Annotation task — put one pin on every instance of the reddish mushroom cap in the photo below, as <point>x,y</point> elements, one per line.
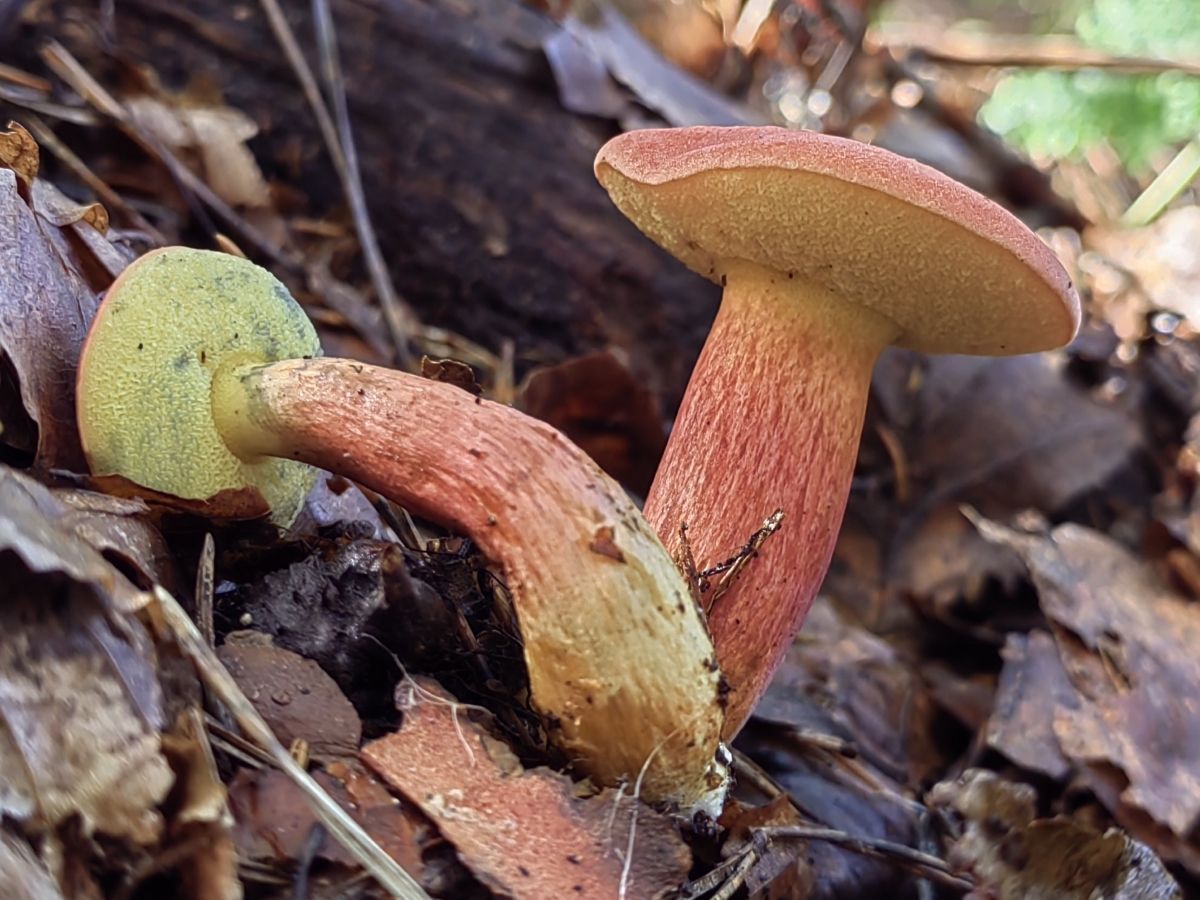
<point>956,272</point>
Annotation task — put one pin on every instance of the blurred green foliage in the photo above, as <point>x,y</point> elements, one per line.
<point>1062,114</point>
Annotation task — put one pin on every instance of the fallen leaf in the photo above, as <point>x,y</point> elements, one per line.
<point>1033,686</point>
<point>598,402</point>
<point>841,680</point>
<point>1005,433</point>
<point>275,822</point>
<point>784,868</point>
<point>19,152</point>
<point>679,97</point>
<point>1128,645</point>
<point>120,528</point>
<point>80,705</point>
<point>523,833</point>
<point>215,135</point>
<point>582,78</point>
<point>46,306</point>
<point>296,698</point>
<point>1017,857</point>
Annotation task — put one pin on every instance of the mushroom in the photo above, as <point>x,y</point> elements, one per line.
<point>201,378</point>
<point>828,251</point>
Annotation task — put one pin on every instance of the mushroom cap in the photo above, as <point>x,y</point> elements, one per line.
<point>144,395</point>
<point>954,271</point>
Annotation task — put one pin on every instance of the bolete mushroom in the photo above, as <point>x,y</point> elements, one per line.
<point>828,251</point>
<point>201,378</point>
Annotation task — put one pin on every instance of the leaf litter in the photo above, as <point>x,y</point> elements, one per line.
<point>1054,657</point>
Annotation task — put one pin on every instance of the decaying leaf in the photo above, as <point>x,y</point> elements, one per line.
<point>297,699</point>
<point>841,680</point>
<point>1033,687</point>
<point>275,822</point>
<point>784,868</point>
<point>80,705</point>
<point>1128,644</point>
<point>523,833</point>
<point>121,528</point>
<point>598,402</point>
<point>1006,433</point>
<point>1017,857</point>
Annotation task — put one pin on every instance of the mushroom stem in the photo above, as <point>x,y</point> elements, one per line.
<point>613,641</point>
<point>787,352</point>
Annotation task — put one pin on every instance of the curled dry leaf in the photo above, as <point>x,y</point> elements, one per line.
<point>120,528</point>
<point>784,867</point>
<point>80,705</point>
<point>1128,644</point>
<point>296,697</point>
<point>524,834</point>
<point>215,135</point>
<point>1017,857</point>
<point>48,288</point>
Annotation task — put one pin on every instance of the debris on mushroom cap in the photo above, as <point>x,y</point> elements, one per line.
<point>158,338</point>
<point>956,272</point>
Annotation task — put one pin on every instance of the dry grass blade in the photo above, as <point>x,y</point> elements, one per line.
<point>401,321</point>
<point>340,825</point>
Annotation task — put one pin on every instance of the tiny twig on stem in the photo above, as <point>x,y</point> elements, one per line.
<point>730,569</point>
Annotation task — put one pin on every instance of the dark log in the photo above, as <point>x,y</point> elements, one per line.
<point>479,183</point>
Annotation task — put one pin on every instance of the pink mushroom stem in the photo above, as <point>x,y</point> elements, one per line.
<point>619,661</point>
<point>787,352</point>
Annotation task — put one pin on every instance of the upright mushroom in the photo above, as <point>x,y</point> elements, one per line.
<point>828,250</point>
<point>201,379</point>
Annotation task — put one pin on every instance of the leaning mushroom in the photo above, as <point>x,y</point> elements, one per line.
<point>828,250</point>
<point>201,379</point>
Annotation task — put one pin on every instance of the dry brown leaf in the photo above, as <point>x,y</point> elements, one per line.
<point>121,528</point>
<point>1033,685</point>
<point>784,870</point>
<point>275,821</point>
<point>523,833</point>
<point>296,697</point>
<point>1017,857</point>
<point>80,705</point>
<point>1005,433</point>
<point>840,679</point>
<point>19,152</point>
<point>48,295</point>
<point>217,136</point>
<point>599,403</point>
<point>1128,644</point>
<point>23,877</point>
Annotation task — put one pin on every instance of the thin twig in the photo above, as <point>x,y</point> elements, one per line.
<point>926,865</point>
<point>401,321</point>
<point>341,826</point>
<point>733,567</point>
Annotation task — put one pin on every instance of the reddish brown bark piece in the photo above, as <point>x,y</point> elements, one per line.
<point>296,698</point>
<point>522,833</point>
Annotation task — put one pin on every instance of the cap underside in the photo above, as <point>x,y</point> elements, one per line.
<point>145,379</point>
<point>948,287</point>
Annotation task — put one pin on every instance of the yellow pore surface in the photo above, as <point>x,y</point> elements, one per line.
<point>144,401</point>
